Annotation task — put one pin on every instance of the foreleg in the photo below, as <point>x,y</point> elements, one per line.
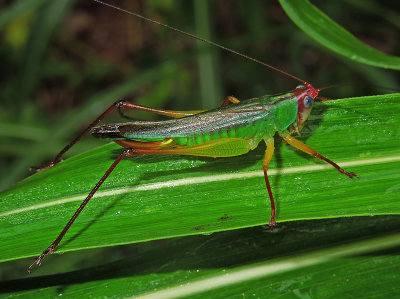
<point>305,148</point>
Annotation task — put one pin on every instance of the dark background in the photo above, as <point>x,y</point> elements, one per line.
<point>63,62</point>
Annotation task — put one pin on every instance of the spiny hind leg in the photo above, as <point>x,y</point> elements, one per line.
<point>130,152</point>
<point>120,105</point>
<point>58,158</point>
<point>133,148</point>
<point>305,148</point>
<point>268,155</point>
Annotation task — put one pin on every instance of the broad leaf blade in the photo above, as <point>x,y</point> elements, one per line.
<point>148,198</point>
<point>330,34</point>
<point>178,265</point>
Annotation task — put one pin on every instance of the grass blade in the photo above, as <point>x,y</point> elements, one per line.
<point>330,34</point>
<point>149,198</point>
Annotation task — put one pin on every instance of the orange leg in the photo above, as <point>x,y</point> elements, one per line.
<point>268,155</point>
<point>134,148</point>
<point>305,148</point>
<point>146,147</point>
<point>223,147</point>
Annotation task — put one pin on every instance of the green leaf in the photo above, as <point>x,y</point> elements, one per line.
<point>303,257</point>
<point>333,36</point>
<point>156,197</point>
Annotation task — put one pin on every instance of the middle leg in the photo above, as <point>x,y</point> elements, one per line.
<point>268,155</point>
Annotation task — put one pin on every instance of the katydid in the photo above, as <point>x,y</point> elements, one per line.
<point>233,129</point>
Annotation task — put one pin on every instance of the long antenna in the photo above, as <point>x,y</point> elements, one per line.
<point>200,39</point>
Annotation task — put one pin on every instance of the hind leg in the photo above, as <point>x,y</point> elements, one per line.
<point>120,105</point>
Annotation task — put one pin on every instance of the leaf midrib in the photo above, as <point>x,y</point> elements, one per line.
<point>201,180</point>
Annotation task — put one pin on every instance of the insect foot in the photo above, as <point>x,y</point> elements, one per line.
<point>45,166</point>
<point>38,260</point>
<point>350,174</point>
<point>272,224</point>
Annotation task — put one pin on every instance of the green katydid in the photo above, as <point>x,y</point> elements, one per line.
<point>233,129</point>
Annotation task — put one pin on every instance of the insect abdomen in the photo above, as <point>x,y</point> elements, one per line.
<point>223,147</point>
<point>255,130</point>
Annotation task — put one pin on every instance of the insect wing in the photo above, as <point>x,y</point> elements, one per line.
<point>209,121</point>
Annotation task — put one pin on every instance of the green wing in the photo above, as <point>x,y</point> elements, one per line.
<point>237,115</point>
<point>285,113</point>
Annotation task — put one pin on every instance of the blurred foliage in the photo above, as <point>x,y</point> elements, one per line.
<point>63,62</point>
